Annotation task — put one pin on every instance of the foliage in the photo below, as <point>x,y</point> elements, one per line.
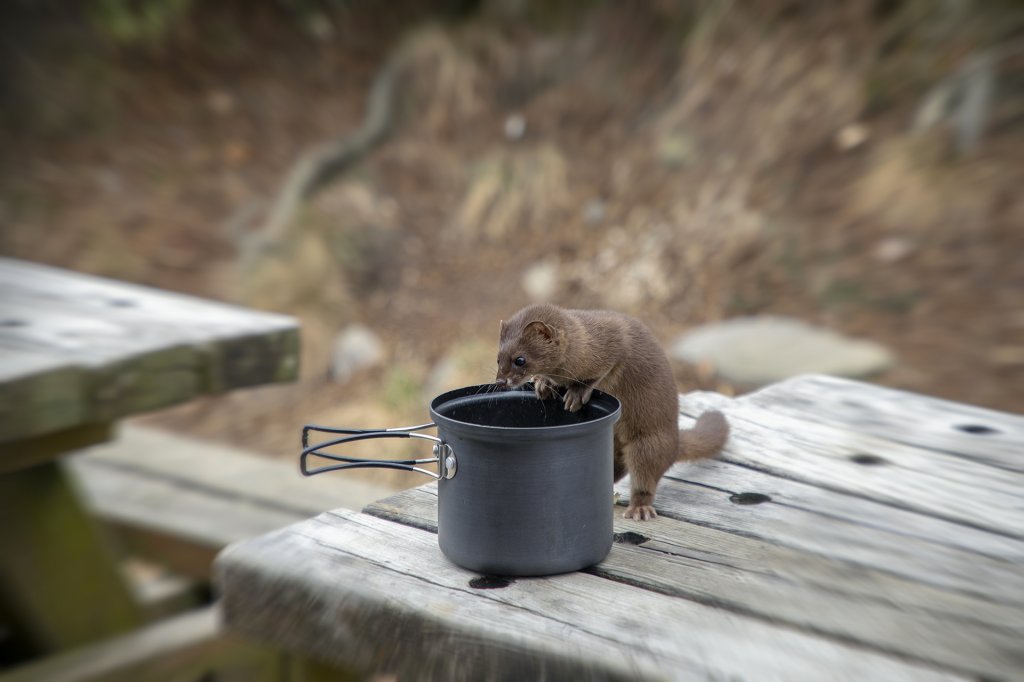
<point>144,22</point>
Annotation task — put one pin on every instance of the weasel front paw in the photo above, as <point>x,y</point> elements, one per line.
<point>577,397</point>
<point>640,512</point>
<point>543,388</point>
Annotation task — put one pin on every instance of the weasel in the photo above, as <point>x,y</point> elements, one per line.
<point>581,350</point>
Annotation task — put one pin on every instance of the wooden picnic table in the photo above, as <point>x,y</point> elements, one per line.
<point>848,531</point>
<point>78,353</point>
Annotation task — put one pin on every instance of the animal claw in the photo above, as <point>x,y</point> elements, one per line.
<point>642,512</point>
<point>576,398</point>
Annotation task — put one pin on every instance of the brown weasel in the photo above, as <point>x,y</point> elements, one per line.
<point>581,350</point>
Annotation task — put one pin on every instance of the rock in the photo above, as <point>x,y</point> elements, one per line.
<point>355,348</point>
<point>755,351</point>
<point>676,150</point>
<point>893,249</point>
<point>852,136</point>
<point>444,376</point>
<point>593,212</point>
<point>465,364</point>
<point>515,127</point>
<point>221,102</point>
<point>540,281</point>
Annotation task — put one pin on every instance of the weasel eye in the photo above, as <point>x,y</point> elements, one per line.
<point>520,361</point>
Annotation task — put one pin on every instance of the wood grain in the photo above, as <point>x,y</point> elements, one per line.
<point>720,530</point>
<point>225,472</point>
<point>815,593</point>
<point>935,484</point>
<point>179,501</point>
<point>76,349</point>
<point>860,545</point>
<point>975,433</point>
<point>352,587</point>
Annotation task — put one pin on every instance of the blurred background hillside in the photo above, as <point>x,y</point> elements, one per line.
<point>858,165</point>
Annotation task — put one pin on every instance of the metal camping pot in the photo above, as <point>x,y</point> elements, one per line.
<point>524,485</point>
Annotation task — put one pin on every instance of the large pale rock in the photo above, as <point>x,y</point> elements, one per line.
<point>755,351</point>
<point>540,281</point>
<point>355,348</point>
<point>465,364</point>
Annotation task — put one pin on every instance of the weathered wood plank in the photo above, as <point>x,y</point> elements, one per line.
<point>224,471</point>
<point>822,520</point>
<point>809,530</point>
<point>382,595</point>
<point>995,438</point>
<point>76,349</point>
<point>415,507</point>
<point>151,311</point>
<point>710,526</point>
<point>176,524</point>
<point>808,519</point>
<point>200,516</point>
<point>815,593</point>
<point>729,478</point>
<point>961,641</point>
<point>41,394</point>
<point>901,476</point>
<point>179,500</point>
<point>181,649</point>
<point>817,574</point>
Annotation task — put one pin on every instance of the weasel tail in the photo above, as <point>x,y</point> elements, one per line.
<point>706,438</point>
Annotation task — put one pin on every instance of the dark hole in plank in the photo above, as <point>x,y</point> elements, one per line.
<point>749,498</point>
<point>867,460</point>
<point>630,538</point>
<point>13,323</point>
<point>976,429</point>
<point>490,582</point>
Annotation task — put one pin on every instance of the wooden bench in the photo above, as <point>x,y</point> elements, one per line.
<point>77,354</point>
<point>179,505</point>
<point>188,646</point>
<point>847,531</point>
<point>185,499</point>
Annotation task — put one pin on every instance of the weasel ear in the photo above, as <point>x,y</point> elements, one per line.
<point>501,327</point>
<point>540,330</point>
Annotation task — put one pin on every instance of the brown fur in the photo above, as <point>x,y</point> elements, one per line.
<point>581,350</point>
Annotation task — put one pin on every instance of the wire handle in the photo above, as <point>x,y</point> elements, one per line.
<point>444,457</point>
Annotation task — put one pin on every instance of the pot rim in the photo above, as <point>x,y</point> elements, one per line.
<point>520,432</point>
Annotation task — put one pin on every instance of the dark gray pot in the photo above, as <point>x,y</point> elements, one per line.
<point>525,486</point>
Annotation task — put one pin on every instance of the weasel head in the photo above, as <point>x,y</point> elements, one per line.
<point>527,347</point>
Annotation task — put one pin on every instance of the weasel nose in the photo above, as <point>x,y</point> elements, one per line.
<point>501,382</point>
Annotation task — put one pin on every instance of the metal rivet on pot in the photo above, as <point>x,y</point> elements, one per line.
<point>446,460</point>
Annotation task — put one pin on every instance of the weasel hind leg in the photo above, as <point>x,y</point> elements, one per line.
<point>647,459</point>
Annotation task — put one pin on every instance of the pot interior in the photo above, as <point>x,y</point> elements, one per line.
<point>517,409</point>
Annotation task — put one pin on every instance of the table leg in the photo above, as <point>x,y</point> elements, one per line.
<point>301,669</point>
<point>59,583</point>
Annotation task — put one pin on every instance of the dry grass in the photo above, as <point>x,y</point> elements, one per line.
<point>451,80</point>
<point>512,193</point>
<point>912,188</point>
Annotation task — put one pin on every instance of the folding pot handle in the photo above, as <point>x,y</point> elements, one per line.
<point>444,457</point>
